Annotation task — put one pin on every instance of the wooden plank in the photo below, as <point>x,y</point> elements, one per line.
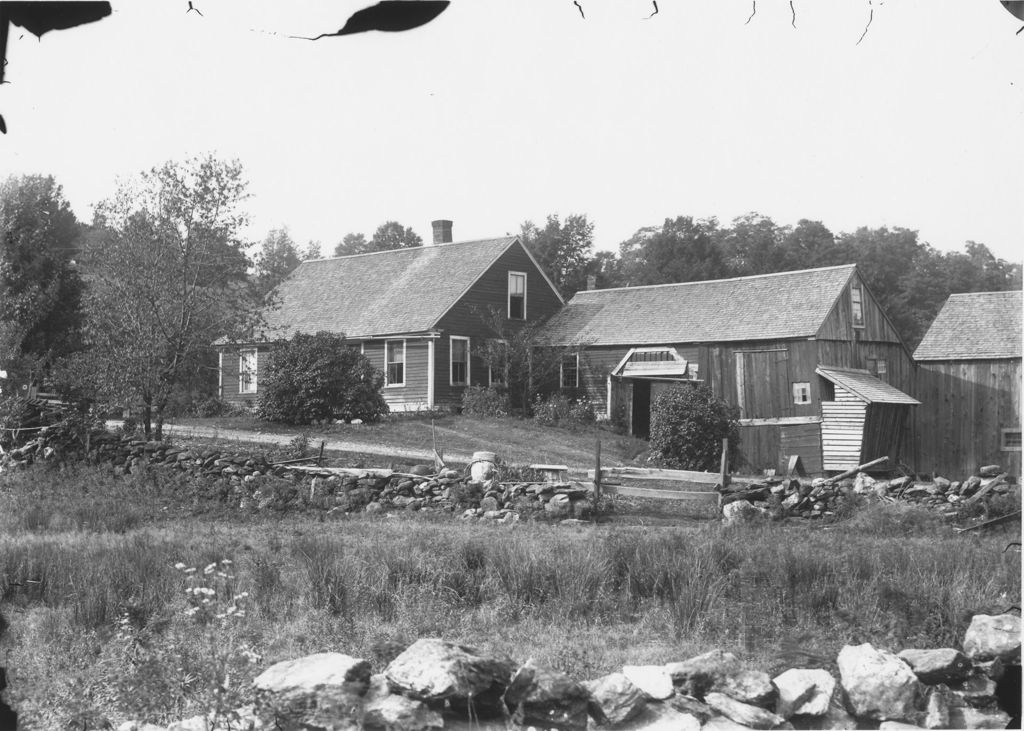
<point>640,473</point>
<point>709,495</point>
<point>781,421</point>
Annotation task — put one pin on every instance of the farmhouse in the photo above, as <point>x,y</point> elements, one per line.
<point>415,313</point>
<point>813,363</point>
<point>969,381</point>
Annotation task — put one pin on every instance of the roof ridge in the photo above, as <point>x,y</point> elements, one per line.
<point>710,281</point>
<point>987,293</point>
<point>422,247</point>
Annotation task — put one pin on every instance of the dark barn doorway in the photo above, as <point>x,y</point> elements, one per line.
<point>641,422</point>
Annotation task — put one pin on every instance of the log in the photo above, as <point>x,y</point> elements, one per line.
<point>999,480</point>
<point>855,470</point>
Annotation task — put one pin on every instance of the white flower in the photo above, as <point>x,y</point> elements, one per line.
<point>210,569</point>
<point>180,566</point>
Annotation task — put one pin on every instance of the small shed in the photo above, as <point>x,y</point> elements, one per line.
<point>862,418</point>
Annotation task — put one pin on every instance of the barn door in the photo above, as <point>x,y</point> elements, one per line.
<point>762,383</point>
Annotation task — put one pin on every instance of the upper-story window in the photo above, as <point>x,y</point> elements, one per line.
<point>857,304</point>
<point>517,295</point>
<point>247,371</point>
<point>394,357</point>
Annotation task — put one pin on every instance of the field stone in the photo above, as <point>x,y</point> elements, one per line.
<point>662,717</point>
<point>936,711</point>
<point>878,684</point>
<point>384,709</point>
<point>749,686</point>
<point>990,637</point>
<point>547,698</point>
<point>977,691</point>
<point>698,675</point>
<point>653,680</point>
<point>616,697</point>
<point>804,691</point>
<point>834,719</point>
<point>321,690</point>
<point>967,717</point>
<point>894,725</point>
<point>740,512</point>
<point>937,666</point>
<point>432,669</point>
<point>743,713</point>
<point>989,470</point>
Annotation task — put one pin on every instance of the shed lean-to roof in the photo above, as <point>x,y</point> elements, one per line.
<point>865,386</point>
<point>975,326</point>
<point>381,293</point>
<point>764,307</point>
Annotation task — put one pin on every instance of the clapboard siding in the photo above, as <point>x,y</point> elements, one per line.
<point>965,405</point>
<point>229,374</point>
<point>842,429</point>
<point>414,392</point>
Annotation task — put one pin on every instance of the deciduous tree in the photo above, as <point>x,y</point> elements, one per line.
<point>563,249</point>
<point>276,260</point>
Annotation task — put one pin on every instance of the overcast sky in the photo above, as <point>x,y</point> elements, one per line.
<point>501,111</point>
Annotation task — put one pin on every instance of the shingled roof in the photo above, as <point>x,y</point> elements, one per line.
<point>382,293</point>
<point>975,326</point>
<point>865,386</point>
<point>764,307</point>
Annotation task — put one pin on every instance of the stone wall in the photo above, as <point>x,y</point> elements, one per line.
<point>436,684</point>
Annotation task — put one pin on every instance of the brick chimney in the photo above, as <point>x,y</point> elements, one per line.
<point>442,232</point>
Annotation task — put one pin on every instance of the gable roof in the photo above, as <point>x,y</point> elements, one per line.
<point>381,293</point>
<point>763,307</point>
<point>865,386</point>
<point>975,326</point>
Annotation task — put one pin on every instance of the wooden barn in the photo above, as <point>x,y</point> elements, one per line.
<point>969,383</point>
<point>813,363</point>
<point>415,313</point>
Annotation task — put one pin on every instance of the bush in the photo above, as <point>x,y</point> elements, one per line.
<point>319,377</point>
<point>480,401</point>
<point>687,427</point>
<point>559,410</point>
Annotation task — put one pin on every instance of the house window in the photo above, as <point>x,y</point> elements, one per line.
<point>857,303</point>
<point>1011,441</point>
<point>570,371</point>
<point>517,295</point>
<point>247,371</point>
<point>394,357</point>
<point>801,393</point>
<point>460,361</point>
<point>495,377</point>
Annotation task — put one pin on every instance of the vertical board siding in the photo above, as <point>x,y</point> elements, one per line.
<point>760,447</point>
<point>839,323</point>
<point>804,440</point>
<point>965,405</point>
<point>899,365</point>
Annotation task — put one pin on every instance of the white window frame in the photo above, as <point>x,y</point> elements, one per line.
<point>387,364</point>
<point>247,378</point>
<point>451,361</point>
<point>857,302</point>
<point>561,373</point>
<point>508,309</point>
<point>801,387</point>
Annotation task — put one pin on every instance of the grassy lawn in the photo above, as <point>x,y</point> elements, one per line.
<point>100,629</point>
<point>517,441</point>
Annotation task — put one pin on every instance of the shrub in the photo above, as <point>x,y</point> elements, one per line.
<point>688,425</point>
<point>559,410</point>
<point>480,401</point>
<point>318,377</point>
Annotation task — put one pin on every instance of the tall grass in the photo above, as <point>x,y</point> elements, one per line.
<point>580,600</point>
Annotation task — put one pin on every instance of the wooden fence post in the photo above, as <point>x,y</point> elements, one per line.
<point>724,471</point>
<point>320,458</point>
<point>597,478</point>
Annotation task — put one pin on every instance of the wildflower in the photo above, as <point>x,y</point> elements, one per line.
<point>180,566</point>
<point>226,561</point>
<point>190,570</point>
<point>210,569</point>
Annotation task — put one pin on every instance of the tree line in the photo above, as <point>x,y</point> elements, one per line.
<point>125,309</point>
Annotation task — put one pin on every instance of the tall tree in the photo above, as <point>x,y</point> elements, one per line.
<point>393,235</point>
<point>752,245</point>
<point>810,244</point>
<point>40,289</point>
<point>276,260</point>
<point>682,250</point>
<point>168,278</point>
<point>351,244</point>
<point>312,251</point>
<point>562,249</point>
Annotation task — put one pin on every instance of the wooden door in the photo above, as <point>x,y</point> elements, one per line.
<point>762,383</point>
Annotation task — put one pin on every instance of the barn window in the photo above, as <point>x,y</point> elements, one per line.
<point>877,367</point>
<point>517,295</point>
<point>247,371</point>
<point>570,371</point>
<point>394,357</point>
<point>857,304</point>
<point>801,393</point>
<point>1011,440</point>
<point>460,361</point>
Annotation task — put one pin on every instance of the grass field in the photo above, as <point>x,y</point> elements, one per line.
<point>101,630</point>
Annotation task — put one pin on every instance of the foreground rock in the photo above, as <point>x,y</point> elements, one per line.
<point>993,637</point>
<point>653,680</point>
<point>434,670</point>
<point>700,674</point>
<point>743,713</point>
<point>804,691</point>
<point>386,710</point>
<point>547,698</point>
<point>616,698</point>
<point>317,691</point>
<point>945,665</point>
<point>878,684</point>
